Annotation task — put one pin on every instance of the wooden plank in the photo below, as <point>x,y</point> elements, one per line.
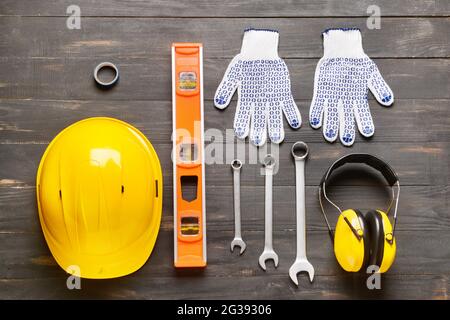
<point>421,208</point>
<point>31,121</point>
<point>26,256</point>
<point>423,229</point>
<point>415,164</point>
<point>230,8</point>
<point>255,287</point>
<point>46,84</point>
<point>114,38</point>
<point>149,79</point>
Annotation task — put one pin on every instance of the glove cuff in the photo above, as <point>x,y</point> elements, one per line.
<point>260,44</point>
<point>342,43</point>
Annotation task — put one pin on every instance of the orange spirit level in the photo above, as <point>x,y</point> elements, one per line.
<point>188,156</point>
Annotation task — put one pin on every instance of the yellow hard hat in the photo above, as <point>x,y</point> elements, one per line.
<point>99,194</point>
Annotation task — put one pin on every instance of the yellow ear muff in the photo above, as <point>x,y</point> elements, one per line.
<point>390,246</point>
<point>349,243</point>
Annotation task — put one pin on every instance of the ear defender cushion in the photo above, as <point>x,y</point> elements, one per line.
<point>389,247</point>
<point>375,227</point>
<point>351,252</point>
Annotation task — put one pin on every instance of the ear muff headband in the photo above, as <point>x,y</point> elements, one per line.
<point>366,237</point>
<point>377,235</point>
<point>374,162</point>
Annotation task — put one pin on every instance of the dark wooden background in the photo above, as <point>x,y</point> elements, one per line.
<point>46,84</point>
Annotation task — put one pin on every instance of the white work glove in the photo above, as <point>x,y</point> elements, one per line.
<point>343,76</point>
<point>264,89</point>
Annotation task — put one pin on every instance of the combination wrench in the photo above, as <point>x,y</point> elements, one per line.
<point>300,152</point>
<point>268,253</point>
<point>236,166</point>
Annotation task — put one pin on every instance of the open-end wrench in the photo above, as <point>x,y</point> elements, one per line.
<point>268,253</point>
<point>236,166</point>
<point>300,152</point>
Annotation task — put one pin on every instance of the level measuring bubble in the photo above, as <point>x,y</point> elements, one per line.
<point>187,81</point>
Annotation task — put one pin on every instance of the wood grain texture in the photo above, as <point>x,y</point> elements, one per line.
<point>257,287</point>
<point>416,165</point>
<point>27,255</point>
<point>422,208</point>
<point>230,8</point>
<point>117,38</point>
<point>28,261</point>
<point>38,121</point>
<point>150,79</point>
<point>46,84</point>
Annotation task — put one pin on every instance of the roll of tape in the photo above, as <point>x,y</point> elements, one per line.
<point>104,65</point>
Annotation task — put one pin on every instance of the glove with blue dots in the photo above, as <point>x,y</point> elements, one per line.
<point>343,76</point>
<point>264,89</point>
